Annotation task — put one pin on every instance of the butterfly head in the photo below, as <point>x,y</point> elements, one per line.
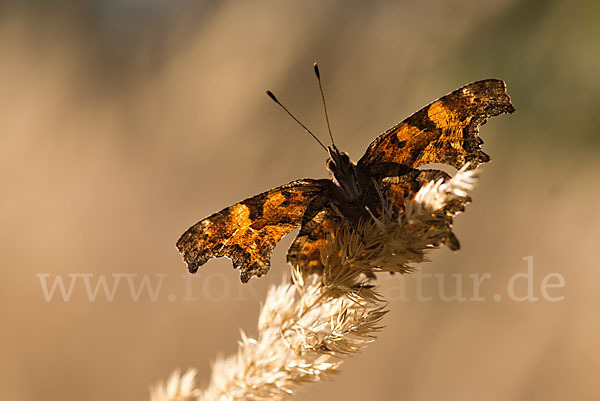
<point>337,160</point>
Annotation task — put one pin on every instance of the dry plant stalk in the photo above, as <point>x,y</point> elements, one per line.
<point>307,327</point>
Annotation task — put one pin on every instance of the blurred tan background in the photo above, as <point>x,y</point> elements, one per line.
<point>124,122</point>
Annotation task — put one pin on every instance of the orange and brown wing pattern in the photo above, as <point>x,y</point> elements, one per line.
<point>305,251</point>
<point>248,231</point>
<point>444,131</point>
<point>403,188</point>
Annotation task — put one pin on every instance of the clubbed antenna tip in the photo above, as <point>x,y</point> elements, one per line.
<point>317,73</point>
<point>272,96</point>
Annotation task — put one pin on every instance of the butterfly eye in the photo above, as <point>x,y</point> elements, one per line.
<point>330,165</point>
<point>345,158</point>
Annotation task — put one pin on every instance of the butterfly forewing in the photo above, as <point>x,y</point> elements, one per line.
<point>445,131</point>
<point>248,231</point>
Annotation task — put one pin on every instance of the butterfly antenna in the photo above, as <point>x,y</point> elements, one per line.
<point>318,74</point>
<point>273,98</point>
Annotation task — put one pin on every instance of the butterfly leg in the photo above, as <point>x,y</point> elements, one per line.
<point>384,204</point>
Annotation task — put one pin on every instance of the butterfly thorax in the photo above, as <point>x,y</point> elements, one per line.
<point>352,183</point>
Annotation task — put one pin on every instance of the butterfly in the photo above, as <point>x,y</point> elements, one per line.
<point>445,131</point>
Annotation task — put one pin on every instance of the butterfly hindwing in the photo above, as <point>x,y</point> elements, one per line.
<point>248,231</point>
<point>445,131</point>
<point>402,189</point>
<point>305,251</point>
